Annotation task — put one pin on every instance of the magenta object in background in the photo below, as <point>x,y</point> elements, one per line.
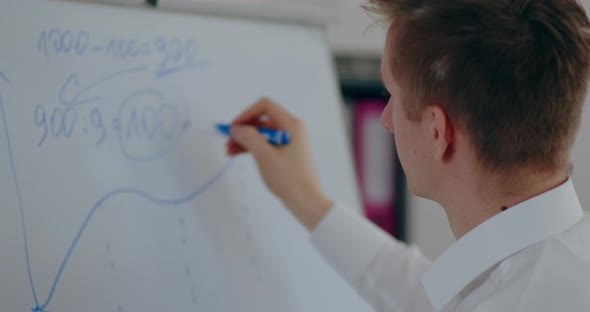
<point>375,159</point>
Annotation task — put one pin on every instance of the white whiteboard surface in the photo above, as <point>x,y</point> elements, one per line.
<point>115,195</point>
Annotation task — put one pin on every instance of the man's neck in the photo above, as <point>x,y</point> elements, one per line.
<point>480,200</point>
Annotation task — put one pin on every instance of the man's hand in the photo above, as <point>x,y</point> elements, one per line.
<point>288,170</point>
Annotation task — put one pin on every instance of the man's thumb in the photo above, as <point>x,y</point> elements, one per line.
<point>249,138</point>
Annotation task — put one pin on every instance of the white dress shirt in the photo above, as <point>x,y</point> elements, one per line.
<point>534,257</point>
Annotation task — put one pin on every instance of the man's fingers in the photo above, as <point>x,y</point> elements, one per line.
<point>263,124</point>
<point>250,139</point>
<point>278,117</point>
<point>233,148</point>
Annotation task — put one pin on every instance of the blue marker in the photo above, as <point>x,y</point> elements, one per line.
<point>274,137</point>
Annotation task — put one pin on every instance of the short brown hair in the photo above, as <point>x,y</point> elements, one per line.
<point>513,73</point>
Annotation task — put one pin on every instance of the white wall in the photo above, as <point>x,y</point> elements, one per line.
<point>353,34</point>
<point>580,158</point>
<point>581,153</point>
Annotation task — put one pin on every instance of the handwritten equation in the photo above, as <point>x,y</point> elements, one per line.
<point>147,122</point>
<point>173,54</point>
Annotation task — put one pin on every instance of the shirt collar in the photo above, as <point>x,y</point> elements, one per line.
<point>506,233</point>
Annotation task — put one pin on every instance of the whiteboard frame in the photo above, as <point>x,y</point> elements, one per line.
<point>289,11</point>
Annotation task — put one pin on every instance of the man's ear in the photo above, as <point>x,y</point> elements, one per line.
<point>440,130</point>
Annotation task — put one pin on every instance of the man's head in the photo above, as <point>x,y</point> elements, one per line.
<point>510,75</point>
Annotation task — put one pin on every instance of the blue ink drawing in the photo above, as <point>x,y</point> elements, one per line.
<point>144,118</point>
<point>73,79</point>
<point>41,307</point>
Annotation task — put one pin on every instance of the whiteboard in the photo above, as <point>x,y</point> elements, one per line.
<point>116,194</point>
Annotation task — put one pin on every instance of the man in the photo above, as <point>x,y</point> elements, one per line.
<point>486,98</point>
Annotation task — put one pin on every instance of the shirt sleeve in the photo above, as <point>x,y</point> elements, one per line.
<point>384,271</point>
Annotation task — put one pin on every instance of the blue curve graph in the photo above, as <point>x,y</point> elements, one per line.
<point>131,191</point>
<point>116,192</point>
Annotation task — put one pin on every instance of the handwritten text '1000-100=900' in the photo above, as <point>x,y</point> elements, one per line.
<point>172,53</point>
